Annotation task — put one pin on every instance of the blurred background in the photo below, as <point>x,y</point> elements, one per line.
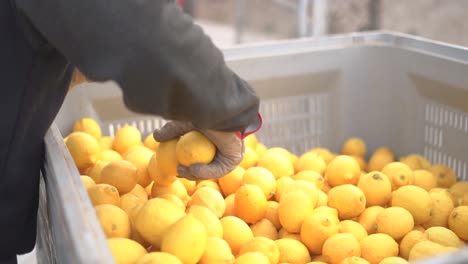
<point>231,22</point>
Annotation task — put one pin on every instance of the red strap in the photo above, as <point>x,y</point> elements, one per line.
<point>251,130</point>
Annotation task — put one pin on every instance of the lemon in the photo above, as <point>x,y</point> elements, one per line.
<point>376,187</point>
<point>278,165</point>
<point>416,162</point>
<point>150,142</point>
<point>120,173</point>
<point>441,210</point>
<point>236,232</point>
<point>399,174</point>
<point>361,161</point>
<point>260,149</point>
<point>210,199</point>
<point>458,221</point>
<point>129,201</point>
<point>368,218</point>
<point>217,252</point>
<point>126,137</point>
<point>89,126</point>
<point>310,176</point>
<point>445,175</point>
<point>135,148</point>
<point>252,257</point>
<point>114,221</point>
<point>263,245</point>
<point>262,178</point>
<point>409,240</point>
<point>104,194</point>
<point>185,239</point>
<point>353,228</point>
<point>155,217</point>
<point>424,179</point>
<point>395,222</point>
<point>87,181</point>
<point>426,249</point>
<point>302,186</point>
<point>293,209</point>
<point>343,170</point>
<point>272,213</point>
<point>459,189</point>
<point>380,158</point>
<point>316,229</point>
<point>264,228</point>
<point>292,251</point>
<point>139,191</point>
<point>376,247</point>
<point>443,236</point>
<point>340,246</point>
<point>324,153</point>
<point>95,171</point>
<point>124,250</point>
<point>416,200</point>
<point>251,141</point>
<point>167,158</point>
<point>208,183</point>
<point>208,219</point>
<point>193,148</point>
<point>231,181</point>
<point>106,142</point>
<point>354,147</point>
<point>281,184</point>
<point>312,162</point>
<point>249,159</point>
<point>348,199</point>
<point>157,258</point>
<point>154,171</point>
<point>250,203</point>
<point>109,155</point>
<point>83,148</point>
<point>173,198</point>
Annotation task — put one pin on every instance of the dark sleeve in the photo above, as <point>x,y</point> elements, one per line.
<point>163,62</point>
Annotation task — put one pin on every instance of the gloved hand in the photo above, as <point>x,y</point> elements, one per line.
<point>229,149</point>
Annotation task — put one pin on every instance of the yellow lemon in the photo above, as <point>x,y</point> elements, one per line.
<point>87,181</point>
<point>282,152</point>
<point>380,158</point>
<point>154,171</point>
<point>395,222</point>
<point>424,179</point>
<point>324,153</point>
<point>120,173</point>
<point>89,126</point>
<point>106,142</point>
<point>340,246</point>
<point>158,258</point>
<point>354,147</point>
<point>185,239</point>
<point>109,155</point>
<point>272,213</point>
<point>104,194</point>
<point>361,161</point>
<point>443,236</point>
<point>125,251</point>
<point>399,174</point>
<point>409,240</point>
<point>368,218</point>
<point>251,141</point>
<point>293,209</point>
<point>140,159</point>
<point>83,148</point>
<point>353,228</point>
<point>173,198</point>
<point>445,175</point>
<point>416,200</point>
<point>139,191</point>
<point>231,181</point>
<point>167,158</point>
<point>343,170</point>
<point>176,188</point>
<point>316,229</point>
<point>376,247</point>
<point>282,184</point>
<point>190,186</point>
<point>250,203</point>
<point>193,148</point>
<point>303,186</point>
<point>95,171</point>
<point>126,137</point>
<point>312,162</point>
<point>210,199</point>
<point>441,210</point>
<point>155,217</point>
<point>426,249</point>
<point>208,183</point>
<point>277,164</point>
<point>236,232</point>
<point>208,219</point>
<point>416,162</point>
<point>249,159</point>
<point>264,228</point>
<point>458,221</point>
<point>260,149</point>
<point>129,201</point>
<point>292,251</point>
<point>262,178</point>
<point>310,176</point>
<point>263,245</point>
<point>376,187</point>
<point>217,252</point>
<point>150,142</point>
<point>348,199</point>
<point>459,189</point>
<point>114,221</point>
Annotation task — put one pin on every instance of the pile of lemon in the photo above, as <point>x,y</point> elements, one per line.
<point>275,207</point>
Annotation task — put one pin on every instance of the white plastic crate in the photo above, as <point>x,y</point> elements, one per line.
<point>407,93</point>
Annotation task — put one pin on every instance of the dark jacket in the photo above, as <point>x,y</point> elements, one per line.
<point>163,63</point>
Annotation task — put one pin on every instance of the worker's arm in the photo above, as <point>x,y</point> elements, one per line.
<point>163,63</point>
